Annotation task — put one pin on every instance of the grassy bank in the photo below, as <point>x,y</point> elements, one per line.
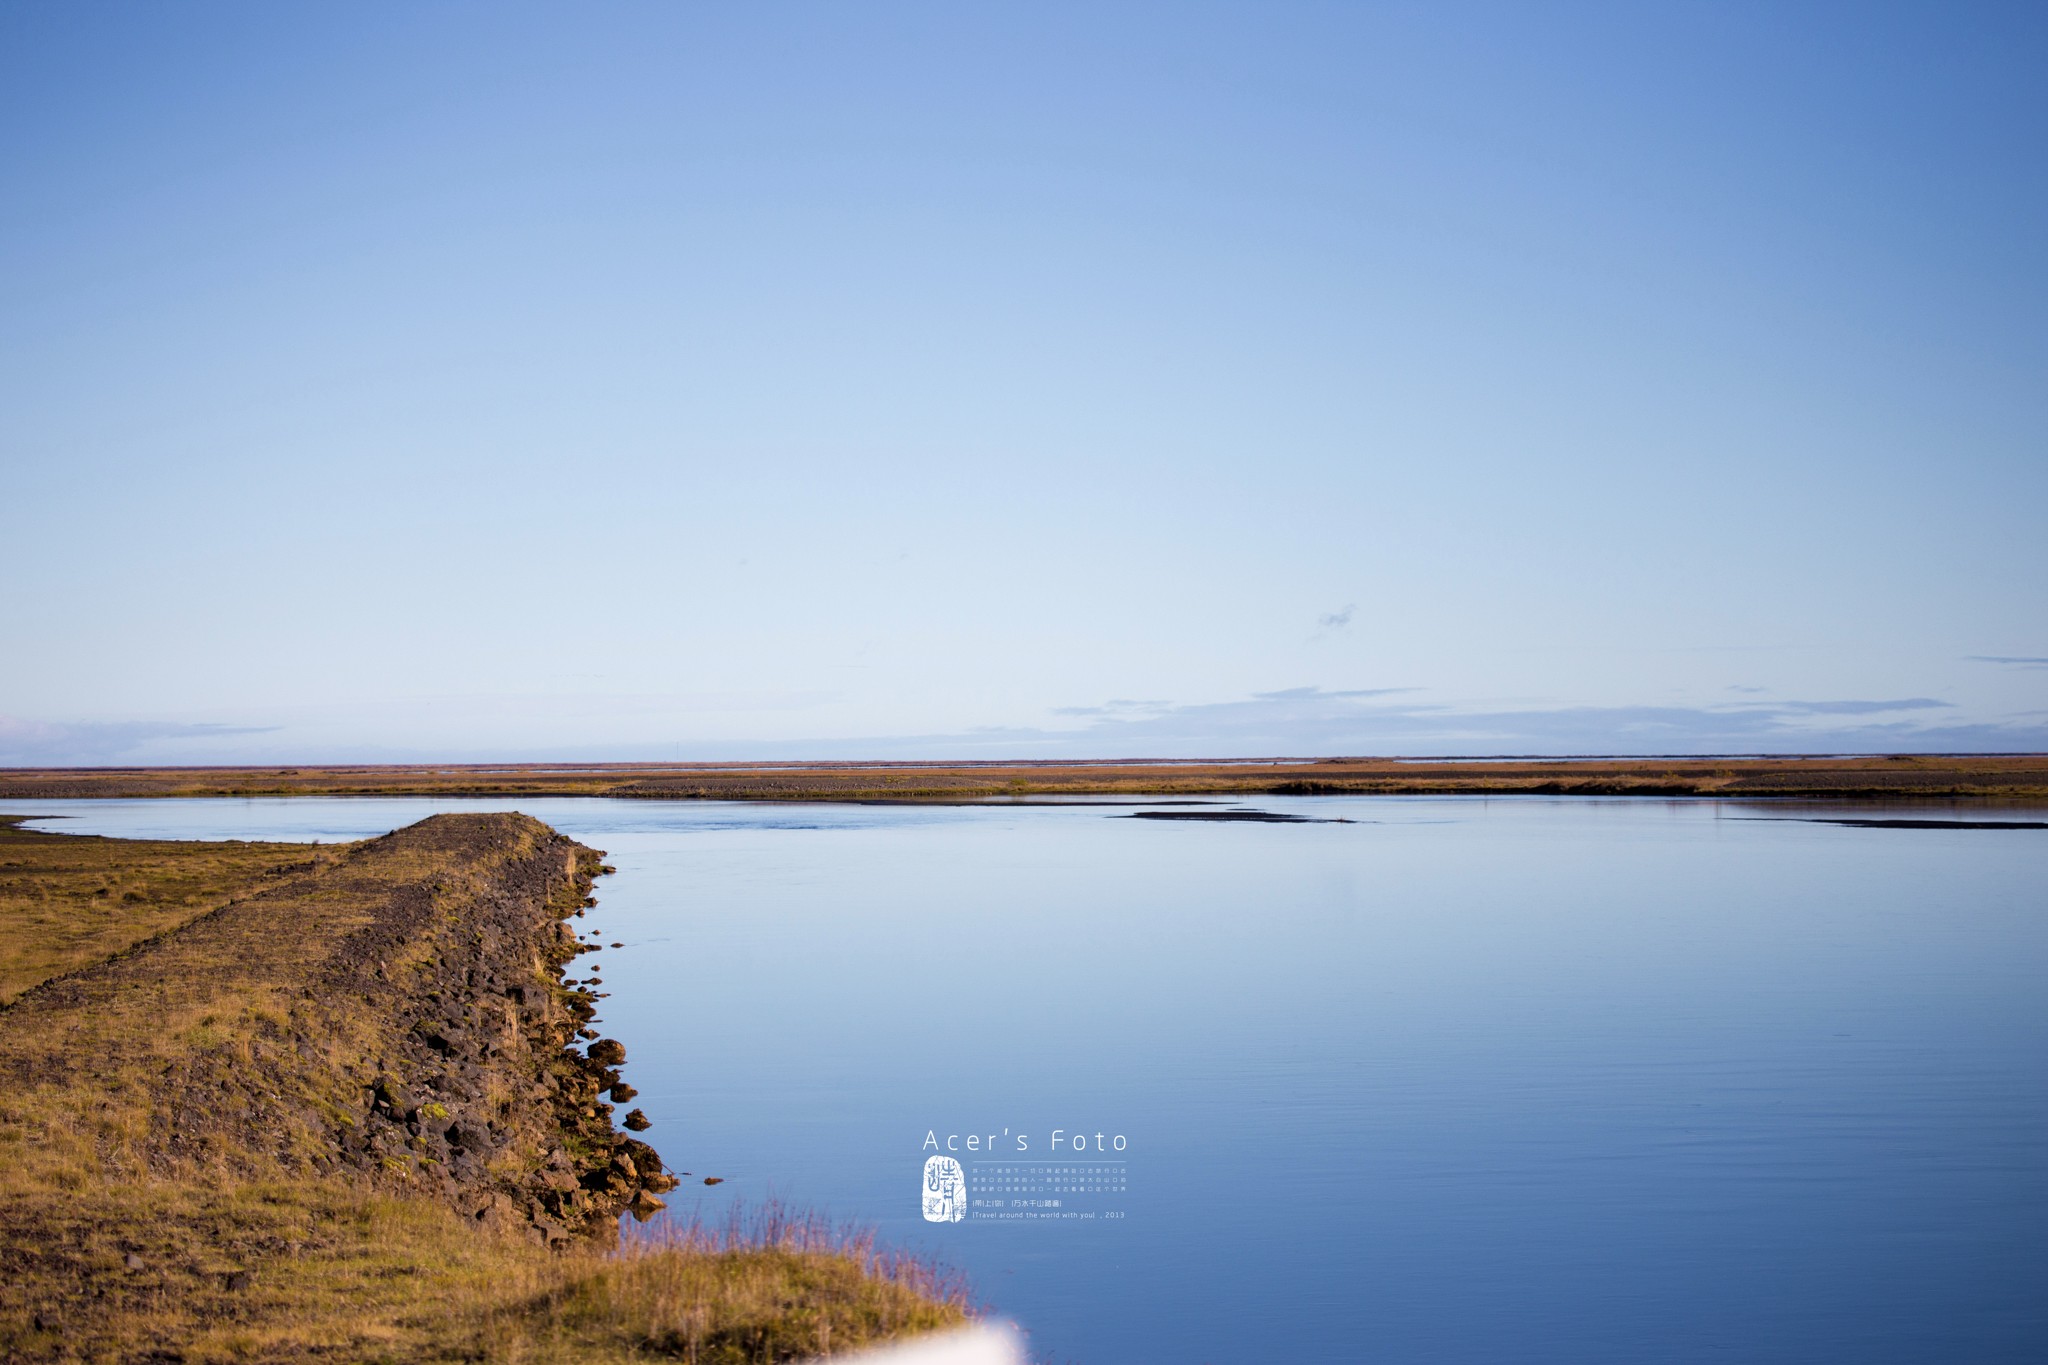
<point>2008,777</point>
<point>279,1102</point>
<point>70,902</point>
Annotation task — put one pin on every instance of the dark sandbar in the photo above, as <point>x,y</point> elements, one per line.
<point>1265,817</point>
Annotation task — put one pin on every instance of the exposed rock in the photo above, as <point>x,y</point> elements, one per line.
<point>493,1015</point>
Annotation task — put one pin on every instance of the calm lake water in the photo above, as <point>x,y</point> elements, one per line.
<point>1519,1080</point>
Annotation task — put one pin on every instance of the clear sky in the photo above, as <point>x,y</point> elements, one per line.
<point>466,381</point>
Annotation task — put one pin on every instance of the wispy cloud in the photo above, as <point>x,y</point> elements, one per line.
<point>1311,720</point>
<point>2010,660</point>
<point>1115,707</point>
<point>31,744</point>
<point>1301,693</point>
<point>1286,722</point>
<point>1331,622</point>
<point>1854,708</point>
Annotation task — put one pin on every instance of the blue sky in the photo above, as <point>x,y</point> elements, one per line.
<point>461,381</point>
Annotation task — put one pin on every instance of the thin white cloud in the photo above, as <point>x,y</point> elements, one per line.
<point>43,744</point>
<point>1855,708</point>
<point>1287,722</point>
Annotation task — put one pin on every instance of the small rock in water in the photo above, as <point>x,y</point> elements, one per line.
<point>618,945</point>
<point>622,1092</point>
<point>714,1180</point>
<point>638,1122</point>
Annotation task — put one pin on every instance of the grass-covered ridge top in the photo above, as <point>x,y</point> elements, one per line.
<point>279,1101</point>
<point>2021,777</point>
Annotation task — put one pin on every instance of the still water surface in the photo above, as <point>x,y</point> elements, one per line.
<point>1518,1080</point>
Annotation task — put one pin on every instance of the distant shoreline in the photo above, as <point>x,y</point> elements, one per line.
<point>1866,777</point>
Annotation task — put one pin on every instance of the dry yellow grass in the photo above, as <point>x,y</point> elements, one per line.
<point>150,1270</point>
<point>69,901</point>
<point>165,1142</point>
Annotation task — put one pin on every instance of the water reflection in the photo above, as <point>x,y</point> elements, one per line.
<point>1465,1079</point>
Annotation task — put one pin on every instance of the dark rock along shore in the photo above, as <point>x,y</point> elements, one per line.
<point>486,1095</point>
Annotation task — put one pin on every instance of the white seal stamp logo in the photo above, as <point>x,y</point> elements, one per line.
<point>945,1190</point>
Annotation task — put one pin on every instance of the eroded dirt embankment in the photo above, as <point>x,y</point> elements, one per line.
<point>394,1011</point>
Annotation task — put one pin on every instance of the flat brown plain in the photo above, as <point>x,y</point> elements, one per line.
<point>2010,777</point>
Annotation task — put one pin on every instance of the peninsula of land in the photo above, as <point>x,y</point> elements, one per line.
<point>287,1102</point>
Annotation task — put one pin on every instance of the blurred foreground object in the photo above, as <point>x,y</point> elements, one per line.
<point>986,1344</point>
